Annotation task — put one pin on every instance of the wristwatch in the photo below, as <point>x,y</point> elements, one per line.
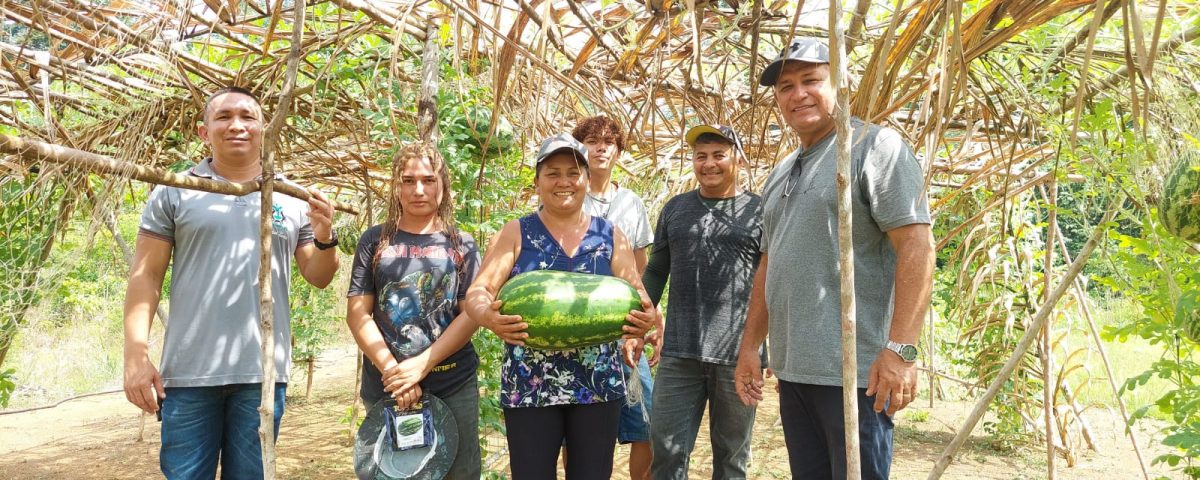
<point>906,351</point>
<point>333,242</point>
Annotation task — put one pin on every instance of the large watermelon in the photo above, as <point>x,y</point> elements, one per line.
<point>1180,207</point>
<point>347,234</point>
<point>569,310</point>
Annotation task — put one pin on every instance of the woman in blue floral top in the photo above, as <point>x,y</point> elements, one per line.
<point>572,396</point>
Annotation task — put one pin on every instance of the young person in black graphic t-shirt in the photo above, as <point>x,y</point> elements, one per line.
<point>403,309</point>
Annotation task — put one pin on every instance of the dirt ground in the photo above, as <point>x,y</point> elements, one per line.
<point>104,437</point>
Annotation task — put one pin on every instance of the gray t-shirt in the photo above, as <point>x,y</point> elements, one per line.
<point>710,249</point>
<point>803,290</point>
<point>624,209</point>
<point>212,335</point>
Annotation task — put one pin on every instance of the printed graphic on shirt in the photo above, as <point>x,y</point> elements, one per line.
<point>277,218</point>
<point>418,308</point>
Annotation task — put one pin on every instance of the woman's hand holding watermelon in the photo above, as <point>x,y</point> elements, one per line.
<point>510,328</point>
<point>641,321</point>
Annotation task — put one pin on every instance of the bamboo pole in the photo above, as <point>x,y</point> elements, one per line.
<point>1082,89</point>
<point>266,409</point>
<point>856,24</point>
<point>35,151</point>
<point>837,58</point>
<point>1027,339</point>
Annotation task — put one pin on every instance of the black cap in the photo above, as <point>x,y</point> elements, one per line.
<point>803,49</point>
<point>559,142</point>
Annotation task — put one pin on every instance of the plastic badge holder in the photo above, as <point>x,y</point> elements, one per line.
<point>411,427</point>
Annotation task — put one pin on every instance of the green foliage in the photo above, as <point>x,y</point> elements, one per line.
<point>8,383</point>
<point>1158,271</point>
<point>17,34</point>
<point>314,319</point>
<point>25,235</point>
<point>990,287</point>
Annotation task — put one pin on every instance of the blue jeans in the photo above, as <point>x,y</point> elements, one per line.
<point>633,427</point>
<point>202,424</point>
<point>682,388</point>
<point>815,432</point>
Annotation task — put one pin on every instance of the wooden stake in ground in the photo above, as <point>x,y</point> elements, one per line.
<point>845,243</point>
<point>1049,385</point>
<point>1031,333</point>
<point>266,409</point>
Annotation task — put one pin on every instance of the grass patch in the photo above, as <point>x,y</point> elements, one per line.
<point>55,360</point>
<point>1127,359</point>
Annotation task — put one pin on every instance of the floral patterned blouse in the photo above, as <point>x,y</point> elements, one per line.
<point>532,377</point>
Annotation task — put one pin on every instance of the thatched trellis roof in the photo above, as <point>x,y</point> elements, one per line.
<point>126,78</point>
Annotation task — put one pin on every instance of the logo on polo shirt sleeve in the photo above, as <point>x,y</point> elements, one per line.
<point>277,218</point>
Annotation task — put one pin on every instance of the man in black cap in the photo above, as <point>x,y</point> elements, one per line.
<point>796,293</point>
<point>707,244</point>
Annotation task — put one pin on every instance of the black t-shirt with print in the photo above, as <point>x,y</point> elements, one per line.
<point>418,284</point>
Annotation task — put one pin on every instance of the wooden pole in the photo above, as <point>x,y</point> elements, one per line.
<point>837,77</point>
<point>34,151</point>
<point>266,409</point>
<point>1054,237</point>
<point>1049,385</point>
<point>1112,383</point>
<point>427,114</point>
<point>943,461</point>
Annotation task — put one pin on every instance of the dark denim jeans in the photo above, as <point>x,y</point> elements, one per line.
<point>682,389</point>
<point>203,424</point>
<point>464,405</point>
<point>815,432</point>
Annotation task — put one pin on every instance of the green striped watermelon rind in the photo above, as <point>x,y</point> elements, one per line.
<point>566,310</point>
<point>1179,210</point>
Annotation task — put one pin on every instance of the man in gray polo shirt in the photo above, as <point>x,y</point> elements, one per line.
<point>796,295</point>
<point>209,387</point>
